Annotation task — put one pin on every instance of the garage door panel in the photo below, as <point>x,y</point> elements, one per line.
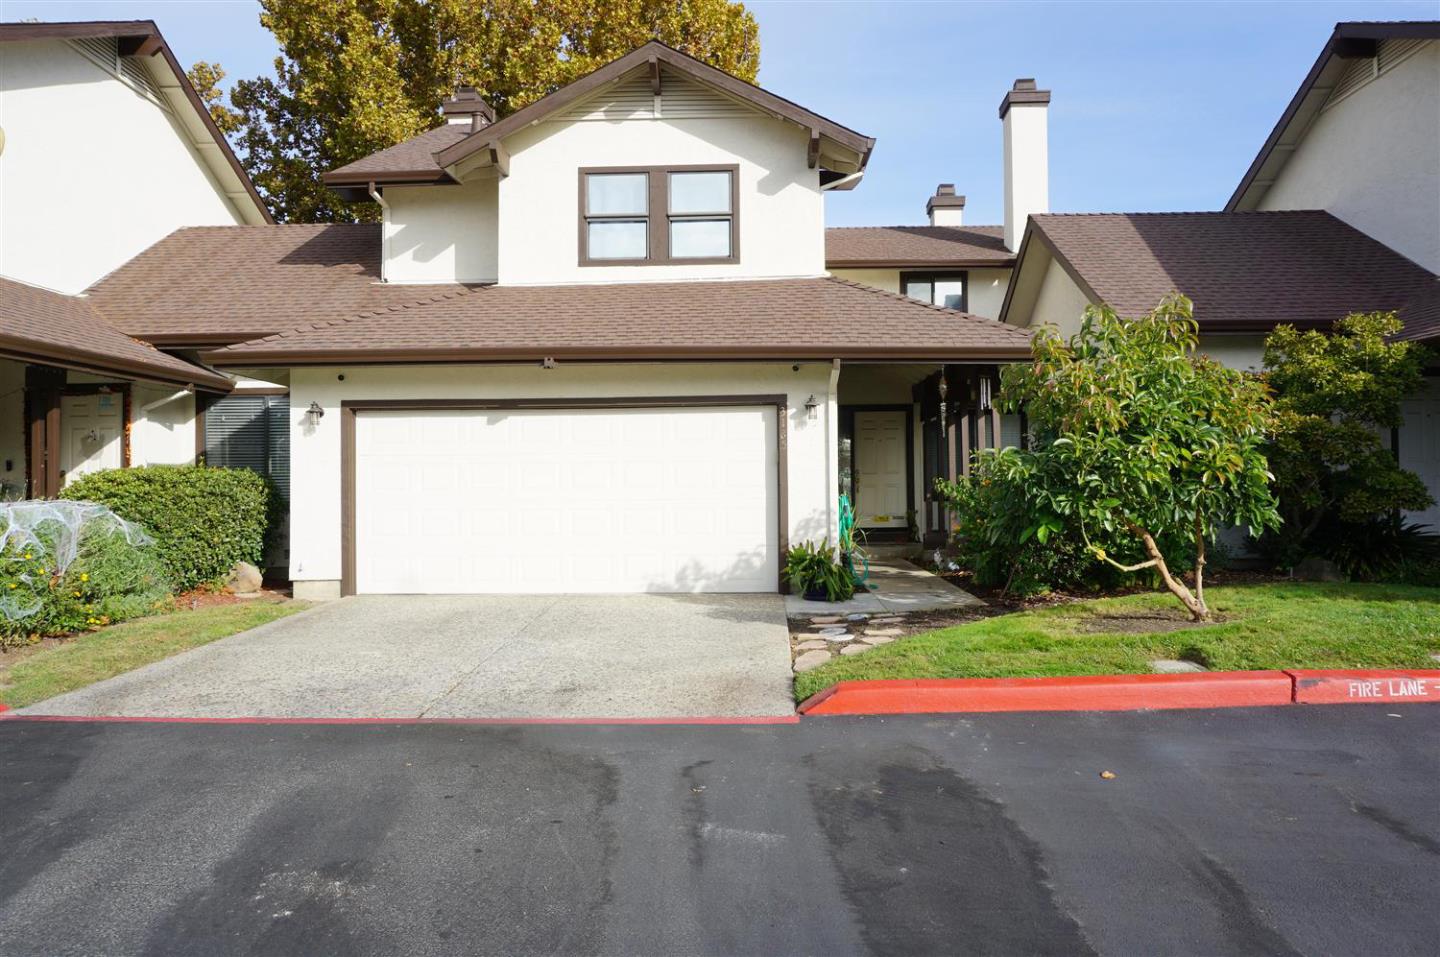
<point>556,501</point>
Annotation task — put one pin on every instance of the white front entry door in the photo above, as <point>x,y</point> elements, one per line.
<point>93,427</point>
<point>595,501</point>
<point>880,480</point>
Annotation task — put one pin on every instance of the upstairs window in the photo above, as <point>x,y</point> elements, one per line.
<point>938,289</point>
<point>659,215</point>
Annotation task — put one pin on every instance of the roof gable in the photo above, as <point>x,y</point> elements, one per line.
<point>140,41</point>
<point>1345,59</point>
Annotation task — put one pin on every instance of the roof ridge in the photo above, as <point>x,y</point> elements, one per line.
<point>925,305</point>
<point>929,226</point>
<point>1190,212</point>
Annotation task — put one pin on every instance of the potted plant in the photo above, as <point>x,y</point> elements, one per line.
<point>813,571</point>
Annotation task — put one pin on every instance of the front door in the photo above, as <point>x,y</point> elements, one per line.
<point>92,426</point>
<point>880,473</point>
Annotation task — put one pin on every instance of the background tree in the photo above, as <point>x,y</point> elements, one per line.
<point>205,78</point>
<point>1337,396</point>
<point>1137,435</point>
<point>356,76</point>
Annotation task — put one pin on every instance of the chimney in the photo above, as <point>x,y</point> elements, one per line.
<point>1023,114</point>
<point>467,106</point>
<point>945,208</point>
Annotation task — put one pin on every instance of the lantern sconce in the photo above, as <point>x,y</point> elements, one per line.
<point>810,407</point>
<point>314,414</point>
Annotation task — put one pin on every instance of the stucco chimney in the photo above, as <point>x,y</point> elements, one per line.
<point>945,208</point>
<point>467,106</point>
<point>1024,116</point>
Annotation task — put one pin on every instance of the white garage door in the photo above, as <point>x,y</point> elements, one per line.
<point>616,500</point>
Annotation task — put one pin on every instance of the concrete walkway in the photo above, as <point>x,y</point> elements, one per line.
<point>898,587</point>
<point>475,656</point>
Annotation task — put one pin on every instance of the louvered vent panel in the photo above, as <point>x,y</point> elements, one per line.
<point>134,72</point>
<point>1356,75</point>
<point>235,433</point>
<point>1393,51</point>
<point>684,99</point>
<point>629,99</point>
<point>103,51</point>
<point>277,415</point>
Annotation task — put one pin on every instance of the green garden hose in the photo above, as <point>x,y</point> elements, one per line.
<point>849,551</point>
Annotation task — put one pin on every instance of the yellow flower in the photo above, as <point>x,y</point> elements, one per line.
<point>27,556</point>
<point>13,585</point>
<point>75,593</point>
<point>84,576</point>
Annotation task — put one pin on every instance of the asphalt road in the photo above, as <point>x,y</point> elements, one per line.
<point>1293,830</point>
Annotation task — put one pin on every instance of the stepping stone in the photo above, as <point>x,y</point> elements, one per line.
<point>854,649</point>
<point>833,632</point>
<point>840,639</point>
<point>882,632</point>
<point>812,644</point>
<point>826,619</point>
<point>887,620</point>
<point>811,659</point>
<point>1172,666</point>
<point>857,616</point>
<point>878,640</point>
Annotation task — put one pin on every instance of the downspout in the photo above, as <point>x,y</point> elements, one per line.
<point>384,229</point>
<point>832,455</point>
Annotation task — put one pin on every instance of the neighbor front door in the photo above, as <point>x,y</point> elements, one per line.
<point>880,478</point>
<point>92,426</point>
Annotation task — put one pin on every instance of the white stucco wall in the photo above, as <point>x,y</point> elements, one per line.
<point>92,172</point>
<point>1025,136</point>
<point>1372,158</point>
<point>442,233</point>
<point>165,434</point>
<point>886,279</point>
<point>315,552</point>
<point>782,216</point>
<point>1246,353</point>
<point>1060,302</point>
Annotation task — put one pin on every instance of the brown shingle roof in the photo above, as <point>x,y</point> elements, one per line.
<point>218,284</point>
<point>1243,270</point>
<point>415,155</point>
<point>772,319</point>
<point>1422,314</point>
<point>920,246</point>
<point>43,325</point>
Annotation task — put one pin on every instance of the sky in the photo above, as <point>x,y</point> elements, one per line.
<point>1155,106</point>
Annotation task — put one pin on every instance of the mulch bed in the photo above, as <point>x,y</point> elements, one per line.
<point>210,597</point>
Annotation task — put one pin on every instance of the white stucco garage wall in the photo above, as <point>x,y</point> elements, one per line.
<point>92,171</point>
<point>1370,158</point>
<point>782,214</point>
<point>315,502</point>
<point>1060,302</point>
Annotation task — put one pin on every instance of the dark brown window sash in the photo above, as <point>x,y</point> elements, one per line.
<point>658,216</point>
<point>933,277</point>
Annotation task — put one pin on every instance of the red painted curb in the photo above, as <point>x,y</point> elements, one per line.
<point>1365,686</point>
<point>4,707</point>
<point>129,719</point>
<point>1229,689</point>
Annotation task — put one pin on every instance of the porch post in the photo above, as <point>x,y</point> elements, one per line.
<point>43,388</point>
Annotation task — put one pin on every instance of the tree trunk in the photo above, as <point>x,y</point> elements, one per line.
<point>1195,604</point>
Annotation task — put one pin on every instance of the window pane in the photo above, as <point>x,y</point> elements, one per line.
<point>621,239</point>
<point>949,293</point>
<point>918,290</point>
<point>700,238</point>
<point>616,194</point>
<point>700,193</point>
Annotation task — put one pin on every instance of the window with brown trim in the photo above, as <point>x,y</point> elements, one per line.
<point>947,289</point>
<point>659,215</point>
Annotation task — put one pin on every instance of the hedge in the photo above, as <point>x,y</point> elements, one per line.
<point>204,520</point>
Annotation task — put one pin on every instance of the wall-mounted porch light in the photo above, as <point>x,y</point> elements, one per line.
<point>810,407</point>
<point>314,414</point>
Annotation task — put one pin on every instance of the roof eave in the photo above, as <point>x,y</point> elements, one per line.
<point>295,357</point>
<point>29,350</point>
<point>1007,262</point>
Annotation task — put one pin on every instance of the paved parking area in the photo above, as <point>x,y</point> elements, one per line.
<point>475,656</point>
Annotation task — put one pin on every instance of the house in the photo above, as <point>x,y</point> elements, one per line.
<point>1338,213</point>
<point>591,347</point>
<point>104,149</point>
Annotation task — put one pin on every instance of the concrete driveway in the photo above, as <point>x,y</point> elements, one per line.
<point>475,656</point>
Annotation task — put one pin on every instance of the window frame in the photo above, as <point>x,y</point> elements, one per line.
<point>932,276</point>
<point>658,216</point>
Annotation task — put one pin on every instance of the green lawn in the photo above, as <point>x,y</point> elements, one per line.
<point>33,674</point>
<point>1290,625</point>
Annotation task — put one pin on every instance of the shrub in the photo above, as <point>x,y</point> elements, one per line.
<point>204,520</point>
<point>1384,549</point>
<point>810,567</point>
<point>69,566</point>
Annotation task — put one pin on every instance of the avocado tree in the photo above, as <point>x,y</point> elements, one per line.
<point>1137,434</point>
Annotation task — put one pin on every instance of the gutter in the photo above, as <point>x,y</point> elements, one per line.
<point>384,231</point>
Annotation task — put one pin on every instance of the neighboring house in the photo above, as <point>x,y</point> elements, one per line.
<point>1339,213</point>
<point>104,149</point>
<point>591,347</point>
